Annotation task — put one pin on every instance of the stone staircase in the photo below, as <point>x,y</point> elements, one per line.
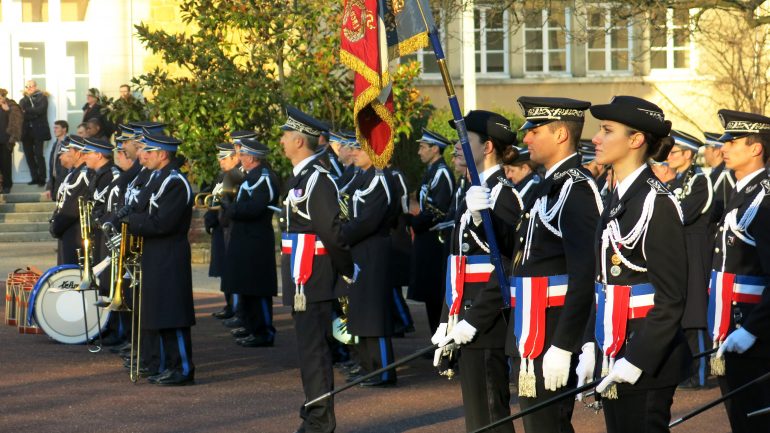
<point>24,215</point>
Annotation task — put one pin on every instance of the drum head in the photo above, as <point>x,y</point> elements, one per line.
<point>59,312</point>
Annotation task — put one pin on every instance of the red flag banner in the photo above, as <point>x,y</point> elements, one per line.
<point>364,50</point>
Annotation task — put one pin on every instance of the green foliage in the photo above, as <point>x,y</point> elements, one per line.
<point>121,111</point>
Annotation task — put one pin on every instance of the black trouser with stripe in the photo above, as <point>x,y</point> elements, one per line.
<point>556,418</point>
<point>257,315</point>
<point>401,313</point>
<point>642,411</point>
<point>152,355</point>
<point>739,370</point>
<point>698,341</point>
<point>484,383</point>
<point>177,349</point>
<point>313,326</point>
<point>375,353</point>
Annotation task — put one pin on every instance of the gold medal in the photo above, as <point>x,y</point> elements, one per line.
<point>615,259</point>
<point>615,271</point>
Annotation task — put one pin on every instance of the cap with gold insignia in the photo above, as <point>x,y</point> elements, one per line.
<point>685,140</point>
<point>739,124</point>
<point>539,111</point>
<point>251,146</point>
<point>299,121</point>
<point>636,113</point>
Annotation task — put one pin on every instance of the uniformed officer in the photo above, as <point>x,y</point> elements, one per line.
<point>313,257</point>
<point>428,252</point>
<point>640,286</point>
<point>739,300</point>
<point>522,171</point>
<point>252,245</point>
<point>552,277</point>
<point>347,144</point>
<point>473,315</point>
<point>164,223</point>
<point>722,179</point>
<point>694,191</point>
<point>65,222</point>
<point>218,226</point>
<point>326,154</point>
<point>372,208</point>
<point>401,255</point>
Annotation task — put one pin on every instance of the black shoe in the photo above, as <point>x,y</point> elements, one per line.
<point>32,182</point>
<point>161,375</point>
<point>224,313</point>
<point>353,377</point>
<point>255,341</point>
<point>377,382</point>
<point>240,332</point>
<point>41,184</point>
<point>233,322</point>
<point>355,370</point>
<point>124,348</point>
<point>690,384</point>
<point>146,372</point>
<point>176,378</point>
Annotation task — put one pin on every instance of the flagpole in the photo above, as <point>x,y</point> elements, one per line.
<point>462,132</point>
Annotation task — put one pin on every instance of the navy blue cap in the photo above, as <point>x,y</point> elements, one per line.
<point>434,139</point>
<point>299,121</point>
<point>523,155</point>
<point>713,139</point>
<point>344,138</point>
<point>490,124</point>
<point>160,142</point>
<point>587,151</point>
<point>686,140</point>
<point>97,145</point>
<point>152,128</point>
<point>637,113</point>
<point>224,150</point>
<point>541,110</point>
<point>76,142</point>
<point>126,133</point>
<point>65,143</point>
<point>237,136</point>
<point>251,146</point>
<point>739,124</point>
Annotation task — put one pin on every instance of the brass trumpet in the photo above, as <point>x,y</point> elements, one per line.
<point>116,243</point>
<point>204,200</point>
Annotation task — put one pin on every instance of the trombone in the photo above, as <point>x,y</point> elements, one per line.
<point>85,255</point>
<point>134,248</point>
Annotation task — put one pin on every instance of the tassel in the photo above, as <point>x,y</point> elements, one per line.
<point>300,303</point>
<point>611,392</point>
<point>717,364</point>
<point>527,379</point>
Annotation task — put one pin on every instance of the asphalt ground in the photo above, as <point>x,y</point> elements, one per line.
<point>50,387</point>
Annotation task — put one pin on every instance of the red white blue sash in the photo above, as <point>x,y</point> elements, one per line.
<point>615,305</point>
<point>461,270</point>
<point>726,288</point>
<point>302,247</point>
<point>532,296</point>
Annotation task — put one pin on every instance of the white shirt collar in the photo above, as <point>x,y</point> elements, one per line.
<point>557,165</point>
<point>487,173</point>
<point>745,181</point>
<point>298,168</point>
<point>623,186</point>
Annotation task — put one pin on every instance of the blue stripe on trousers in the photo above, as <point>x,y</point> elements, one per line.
<point>702,360</point>
<point>384,358</point>
<point>268,319</point>
<point>400,307</point>
<point>235,302</point>
<point>162,367</point>
<point>183,352</point>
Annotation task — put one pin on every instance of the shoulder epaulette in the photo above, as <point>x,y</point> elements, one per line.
<point>576,175</point>
<point>766,186</point>
<point>506,182</point>
<point>321,169</point>
<point>658,186</point>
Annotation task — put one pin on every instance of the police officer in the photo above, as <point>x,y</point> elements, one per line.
<point>473,315</point>
<point>722,179</point>
<point>347,145</point>
<point>164,223</point>
<point>428,253</point>
<point>521,170</point>
<point>252,245</point>
<point>326,154</point>
<point>640,290</point>
<point>217,225</point>
<point>313,257</point>
<point>552,275</point>
<point>65,222</point>
<point>401,255</point>
<point>694,191</point>
<point>739,302</point>
<point>372,208</point>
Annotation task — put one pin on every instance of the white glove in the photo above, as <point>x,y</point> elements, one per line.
<point>622,372</point>
<point>585,367</point>
<point>440,333</point>
<point>739,341</point>
<point>462,333</point>
<point>556,368</point>
<point>477,199</point>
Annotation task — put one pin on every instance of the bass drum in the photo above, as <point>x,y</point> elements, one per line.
<point>58,310</point>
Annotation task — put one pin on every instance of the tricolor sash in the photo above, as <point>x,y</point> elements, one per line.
<point>302,248</point>
<point>461,270</point>
<point>726,288</point>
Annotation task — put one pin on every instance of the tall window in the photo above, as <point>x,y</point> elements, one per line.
<point>73,10</point>
<point>32,56</point>
<point>76,79</point>
<point>34,11</point>
<point>609,41</point>
<point>490,28</point>
<point>545,41</point>
<point>670,39</point>
<point>425,55</point>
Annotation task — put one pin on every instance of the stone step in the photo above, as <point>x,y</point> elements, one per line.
<point>27,207</point>
<point>20,217</point>
<point>25,236</point>
<point>23,197</point>
<point>24,227</point>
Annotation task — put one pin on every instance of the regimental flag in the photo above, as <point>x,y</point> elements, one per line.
<point>374,32</point>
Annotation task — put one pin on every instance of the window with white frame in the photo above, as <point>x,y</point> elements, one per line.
<point>670,39</point>
<point>490,28</point>
<point>609,40</point>
<point>425,56</point>
<point>546,47</point>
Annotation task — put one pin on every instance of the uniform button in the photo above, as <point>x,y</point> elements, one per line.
<point>735,303</point>
<point>280,219</point>
<point>465,235</point>
<point>521,239</point>
<point>721,229</point>
<point>716,250</point>
<point>526,215</point>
